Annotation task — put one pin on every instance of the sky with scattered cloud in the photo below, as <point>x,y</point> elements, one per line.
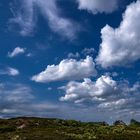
<point>74,59</point>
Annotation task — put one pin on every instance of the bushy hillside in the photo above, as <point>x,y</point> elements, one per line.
<point>57,129</point>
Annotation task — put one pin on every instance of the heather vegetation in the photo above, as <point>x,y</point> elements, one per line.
<point>57,129</point>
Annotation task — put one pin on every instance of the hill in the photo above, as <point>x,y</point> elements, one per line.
<point>57,129</point>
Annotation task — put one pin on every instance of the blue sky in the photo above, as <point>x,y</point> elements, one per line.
<point>74,59</point>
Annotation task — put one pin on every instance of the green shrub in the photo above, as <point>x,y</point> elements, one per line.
<point>4,129</point>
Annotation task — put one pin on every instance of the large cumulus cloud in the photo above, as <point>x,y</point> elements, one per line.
<point>121,46</point>
<point>67,69</point>
<point>104,93</point>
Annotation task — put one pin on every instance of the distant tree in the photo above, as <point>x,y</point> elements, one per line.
<point>119,122</point>
<point>134,122</point>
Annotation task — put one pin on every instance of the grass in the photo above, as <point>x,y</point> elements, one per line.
<point>57,129</point>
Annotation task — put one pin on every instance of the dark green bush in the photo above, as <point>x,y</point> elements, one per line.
<point>4,129</point>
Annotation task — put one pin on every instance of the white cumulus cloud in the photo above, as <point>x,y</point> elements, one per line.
<point>103,93</point>
<point>67,69</point>
<point>89,90</point>
<point>98,6</point>
<point>121,46</point>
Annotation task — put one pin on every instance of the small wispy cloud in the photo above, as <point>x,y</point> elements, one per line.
<point>16,51</point>
<point>9,71</point>
<point>88,51</point>
<point>74,55</point>
<point>98,6</point>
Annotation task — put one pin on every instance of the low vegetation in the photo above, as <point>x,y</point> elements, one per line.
<point>57,129</point>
